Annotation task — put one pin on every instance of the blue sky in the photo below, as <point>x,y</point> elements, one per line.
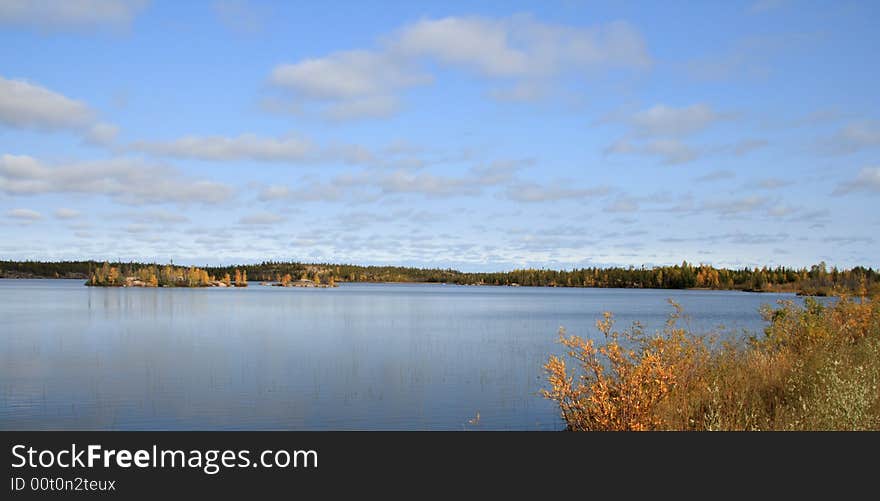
<point>482,136</point>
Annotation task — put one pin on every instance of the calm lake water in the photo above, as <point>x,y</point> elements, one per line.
<point>361,356</point>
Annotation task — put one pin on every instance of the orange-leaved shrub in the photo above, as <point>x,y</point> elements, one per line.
<point>815,367</point>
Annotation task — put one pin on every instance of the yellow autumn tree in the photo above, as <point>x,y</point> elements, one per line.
<point>618,385</point>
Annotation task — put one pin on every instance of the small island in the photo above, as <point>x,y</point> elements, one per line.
<point>304,281</point>
<point>151,275</point>
<point>165,276</point>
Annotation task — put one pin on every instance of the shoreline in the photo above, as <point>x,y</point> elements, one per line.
<point>324,286</point>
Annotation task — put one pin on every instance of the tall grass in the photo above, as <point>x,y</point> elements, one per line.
<point>814,367</point>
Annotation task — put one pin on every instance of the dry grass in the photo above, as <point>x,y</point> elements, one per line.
<point>814,368</point>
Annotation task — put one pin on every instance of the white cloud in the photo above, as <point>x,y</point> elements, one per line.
<point>127,180</point>
<point>525,91</point>
<point>353,84</point>
<point>27,105</point>
<point>371,184</point>
<point>666,121</point>
<point>659,131</point>
<point>533,192</point>
<point>312,190</point>
<point>853,138</point>
<point>65,213</point>
<point>743,147</point>
<point>670,151</point>
<point>220,148</point>
<point>521,46</point>
<point>772,183</point>
<point>284,149</point>
<point>427,184</point>
<point>736,206</point>
<point>499,171</point>
<point>366,83</point>
<point>781,210</point>
<point>431,185</point>
<point>868,179</point>
<point>716,175</point>
<point>70,14</point>
<point>102,134</point>
<point>274,192</point>
<point>291,149</point>
<point>24,214</point>
<point>365,107</point>
<point>156,216</point>
<point>346,75</point>
<point>622,204</point>
<point>261,218</point>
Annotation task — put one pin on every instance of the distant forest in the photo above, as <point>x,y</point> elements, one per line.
<point>815,280</point>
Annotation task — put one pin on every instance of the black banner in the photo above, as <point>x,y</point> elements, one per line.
<point>234,465</point>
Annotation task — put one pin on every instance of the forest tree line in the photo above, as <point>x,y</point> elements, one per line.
<point>818,279</point>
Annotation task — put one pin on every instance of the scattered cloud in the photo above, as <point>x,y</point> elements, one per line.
<point>817,218</point>
<point>848,240</point>
<point>716,175</point>
<point>24,214</point>
<point>126,180</point>
<point>667,121</point>
<point>433,185</point>
<point>274,192</point>
<point>534,192</point>
<point>29,106</point>
<point>102,134</point>
<point>867,180</point>
<point>735,237</point>
<point>659,131</point>
<point>70,14</point>
<point>771,183</point>
<point>65,213</point>
<point>781,210</point>
<point>351,84</point>
<point>220,148</point>
<point>670,151</point>
<point>743,238</point>
<point>290,149</point>
<point>521,46</point>
<point>371,184</point>
<point>366,107</point>
<point>347,75</point>
<point>622,204</point>
<point>818,117</point>
<point>527,53</point>
<point>854,137</point>
<point>157,216</point>
<point>741,148</point>
<point>261,218</point>
<point>520,92</point>
<point>731,207</point>
<point>26,105</point>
